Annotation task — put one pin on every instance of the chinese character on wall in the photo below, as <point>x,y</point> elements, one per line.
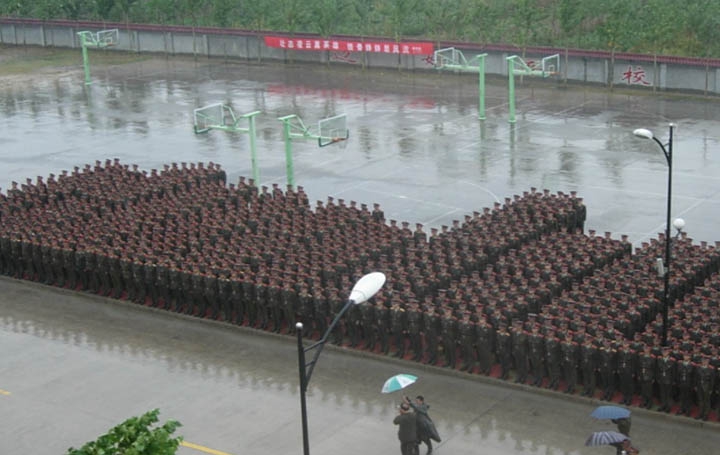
<point>635,77</point>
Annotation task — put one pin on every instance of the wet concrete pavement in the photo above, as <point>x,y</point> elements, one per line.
<point>75,365</point>
<point>416,145</point>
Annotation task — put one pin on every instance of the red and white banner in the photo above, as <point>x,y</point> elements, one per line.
<point>335,45</point>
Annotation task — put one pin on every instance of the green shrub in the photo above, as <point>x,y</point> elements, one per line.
<point>135,437</point>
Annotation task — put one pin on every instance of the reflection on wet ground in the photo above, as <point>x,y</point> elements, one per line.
<point>417,148</point>
<point>416,145</point>
<point>81,359</point>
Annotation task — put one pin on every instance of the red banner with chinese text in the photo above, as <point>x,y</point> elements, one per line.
<point>335,45</point>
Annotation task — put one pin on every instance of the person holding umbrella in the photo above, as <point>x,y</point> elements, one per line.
<point>406,421</point>
<point>426,431</point>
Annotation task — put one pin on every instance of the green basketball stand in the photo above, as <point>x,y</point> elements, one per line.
<point>518,66</point>
<point>219,116</point>
<point>330,131</point>
<point>98,40</point>
<point>453,59</point>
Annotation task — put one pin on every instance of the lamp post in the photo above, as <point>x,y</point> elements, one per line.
<point>364,289</point>
<point>667,150</point>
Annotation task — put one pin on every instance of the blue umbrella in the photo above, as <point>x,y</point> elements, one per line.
<point>603,438</point>
<point>397,382</point>
<point>610,412</point>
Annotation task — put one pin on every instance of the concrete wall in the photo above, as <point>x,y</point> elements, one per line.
<point>643,72</point>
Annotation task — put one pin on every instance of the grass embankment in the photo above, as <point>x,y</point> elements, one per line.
<point>29,59</point>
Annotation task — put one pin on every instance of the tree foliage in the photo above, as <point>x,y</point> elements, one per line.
<point>691,27</point>
<point>135,437</point>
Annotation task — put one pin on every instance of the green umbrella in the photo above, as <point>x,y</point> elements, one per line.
<point>398,382</point>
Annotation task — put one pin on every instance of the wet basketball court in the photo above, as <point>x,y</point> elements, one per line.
<point>416,145</point>
<point>73,367</point>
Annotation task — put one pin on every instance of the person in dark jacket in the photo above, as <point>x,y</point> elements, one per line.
<point>623,425</point>
<point>406,421</point>
<point>426,431</point>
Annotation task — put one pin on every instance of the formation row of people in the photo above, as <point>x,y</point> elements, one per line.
<point>184,240</point>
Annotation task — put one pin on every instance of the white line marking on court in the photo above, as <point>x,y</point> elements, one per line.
<point>485,189</point>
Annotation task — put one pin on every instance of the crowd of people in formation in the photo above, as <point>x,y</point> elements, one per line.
<point>517,290</point>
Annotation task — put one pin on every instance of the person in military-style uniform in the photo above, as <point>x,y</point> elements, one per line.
<point>224,297</point>
<point>69,263</point>
<point>536,354</point>
<point>520,352</point>
<point>58,264</point>
<point>275,305</point>
<point>127,278</point>
<point>503,350</point>
<point>647,365</point>
<point>383,327</point>
<point>368,325</point>
<point>485,344</point>
<point>665,378</point>
<point>626,367</point>
<point>138,277</point>
<point>33,257</point>
<point>449,329</point>
<point>16,260</point>
<point>414,333</point>
<point>306,309</point>
<point>685,381</point>
<point>91,271</point>
<point>589,366</point>
<point>115,275</point>
<point>335,304</point>
<point>353,321</point>
<point>260,302</point>
<point>570,356</point>
<point>607,366</point>
<point>466,332</point>
<point>46,264</point>
<point>197,304</point>
<point>398,324</point>
<point>553,360</point>
<point>237,300</point>
<point>290,305</point>
<point>321,310</point>
<point>150,277</point>
<point>176,289</point>
<point>6,260</point>
<point>431,332</point>
<point>705,378</point>
<point>250,299</point>
<point>103,272</point>
<point>162,284</point>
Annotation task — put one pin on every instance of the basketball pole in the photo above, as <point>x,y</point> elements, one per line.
<point>481,86</point>
<point>86,60</point>
<point>511,87</point>
<point>287,135</point>
<point>253,152</point>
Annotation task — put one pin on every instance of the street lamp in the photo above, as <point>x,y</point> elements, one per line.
<point>364,289</point>
<point>667,150</point>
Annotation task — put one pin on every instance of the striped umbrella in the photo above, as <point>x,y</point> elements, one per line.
<point>398,382</point>
<point>603,438</point>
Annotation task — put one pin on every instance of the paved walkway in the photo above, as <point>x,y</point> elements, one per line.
<point>74,365</point>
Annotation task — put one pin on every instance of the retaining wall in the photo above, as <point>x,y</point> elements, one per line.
<point>653,73</point>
